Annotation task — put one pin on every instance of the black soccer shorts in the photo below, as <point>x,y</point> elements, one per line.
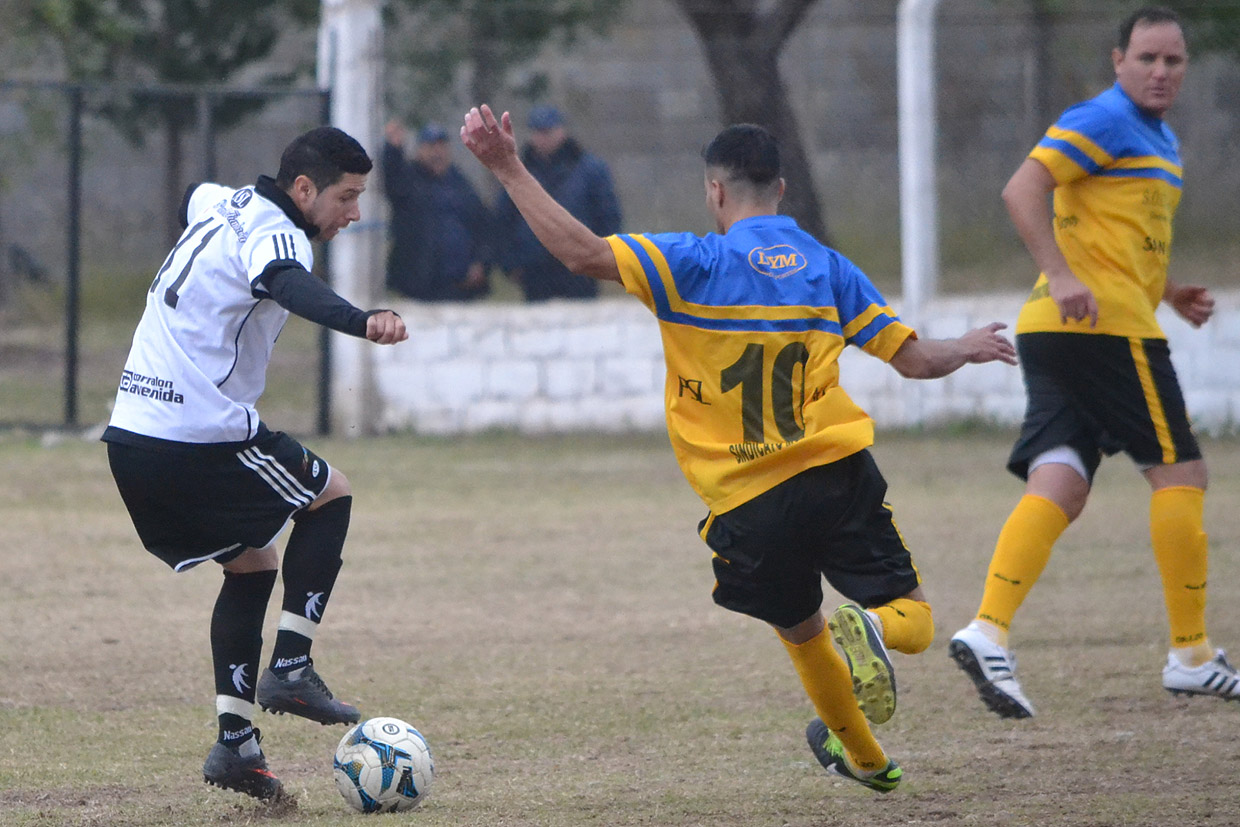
<point>772,551</point>
<point>212,502</point>
<point>1100,394</point>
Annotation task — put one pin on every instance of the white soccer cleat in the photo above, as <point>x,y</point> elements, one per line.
<point>993,670</point>
<point>1216,677</point>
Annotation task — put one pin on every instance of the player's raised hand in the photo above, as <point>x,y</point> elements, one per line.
<point>491,141</point>
<point>985,344</point>
<point>386,328</point>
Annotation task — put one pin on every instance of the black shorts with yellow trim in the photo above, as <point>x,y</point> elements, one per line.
<point>1101,394</point>
<point>771,553</point>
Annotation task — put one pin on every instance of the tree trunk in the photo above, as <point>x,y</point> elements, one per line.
<point>742,50</point>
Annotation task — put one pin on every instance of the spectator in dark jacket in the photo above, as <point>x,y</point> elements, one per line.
<point>581,183</point>
<point>440,230</point>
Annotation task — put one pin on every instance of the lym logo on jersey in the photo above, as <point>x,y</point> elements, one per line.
<point>241,198</point>
<point>778,262</point>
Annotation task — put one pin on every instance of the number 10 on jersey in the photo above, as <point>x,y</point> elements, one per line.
<point>749,375</point>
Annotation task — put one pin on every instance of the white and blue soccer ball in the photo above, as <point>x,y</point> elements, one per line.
<point>383,765</point>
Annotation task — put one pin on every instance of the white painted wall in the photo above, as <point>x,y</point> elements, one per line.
<point>598,366</point>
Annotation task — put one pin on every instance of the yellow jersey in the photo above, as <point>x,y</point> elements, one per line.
<point>1118,180</point>
<point>753,323</point>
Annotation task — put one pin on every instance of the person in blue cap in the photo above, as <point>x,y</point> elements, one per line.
<point>440,229</point>
<point>581,182</point>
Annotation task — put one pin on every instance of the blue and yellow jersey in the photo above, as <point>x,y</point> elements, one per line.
<point>1117,172</point>
<point>753,323</point>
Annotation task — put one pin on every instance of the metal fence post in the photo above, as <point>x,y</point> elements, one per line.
<point>73,256</point>
<point>324,423</point>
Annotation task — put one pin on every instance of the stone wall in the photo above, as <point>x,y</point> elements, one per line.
<point>598,366</point>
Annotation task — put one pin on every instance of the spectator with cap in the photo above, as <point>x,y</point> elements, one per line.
<point>581,183</point>
<point>440,229</point>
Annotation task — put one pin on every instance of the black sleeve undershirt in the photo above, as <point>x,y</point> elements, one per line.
<point>298,291</point>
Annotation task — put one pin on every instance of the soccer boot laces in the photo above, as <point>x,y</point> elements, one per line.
<point>874,681</point>
<point>993,671</point>
<point>829,751</point>
<point>307,696</point>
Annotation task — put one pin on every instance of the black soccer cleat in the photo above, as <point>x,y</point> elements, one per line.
<point>829,751</point>
<point>226,768</point>
<point>306,697</point>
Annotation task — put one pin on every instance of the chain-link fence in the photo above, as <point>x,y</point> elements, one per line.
<point>643,99</point>
<point>91,180</point>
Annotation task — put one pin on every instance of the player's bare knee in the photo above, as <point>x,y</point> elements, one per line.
<point>1191,474</point>
<point>253,560</point>
<point>1060,476</point>
<point>337,486</point>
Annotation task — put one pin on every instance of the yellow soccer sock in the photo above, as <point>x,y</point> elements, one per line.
<point>908,625</point>
<point>1181,550</point>
<point>1021,553</point>
<point>824,674</point>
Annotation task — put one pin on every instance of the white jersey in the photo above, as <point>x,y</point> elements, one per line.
<point>198,362</point>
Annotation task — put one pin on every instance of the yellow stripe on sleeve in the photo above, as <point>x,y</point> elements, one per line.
<point>871,313</point>
<point>1096,153</point>
<point>1149,162</point>
<point>632,274</point>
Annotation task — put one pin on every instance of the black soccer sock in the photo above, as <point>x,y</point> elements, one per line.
<point>236,646</point>
<point>311,562</point>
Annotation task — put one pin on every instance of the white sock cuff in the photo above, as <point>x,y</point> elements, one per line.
<point>234,706</point>
<point>298,624</point>
<point>992,632</point>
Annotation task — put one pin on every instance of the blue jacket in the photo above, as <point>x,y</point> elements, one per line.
<point>581,183</point>
<point>439,227</point>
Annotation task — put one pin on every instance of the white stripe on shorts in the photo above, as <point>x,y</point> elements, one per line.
<point>277,476</point>
<point>193,561</point>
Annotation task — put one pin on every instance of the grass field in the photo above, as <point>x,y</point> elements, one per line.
<point>541,610</point>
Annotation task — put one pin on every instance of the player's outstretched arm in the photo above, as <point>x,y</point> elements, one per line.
<point>493,143</point>
<point>304,294</point>
<point>933,358</point>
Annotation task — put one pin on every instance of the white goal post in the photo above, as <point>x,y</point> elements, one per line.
<point>350,67</point>
<point>918,127</point>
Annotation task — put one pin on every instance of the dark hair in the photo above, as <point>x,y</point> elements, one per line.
<point>323,155</point>
<point>1147,15</point>
<point>747,152</point>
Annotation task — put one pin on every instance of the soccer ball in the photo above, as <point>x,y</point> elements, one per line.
<point>383,765</point>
